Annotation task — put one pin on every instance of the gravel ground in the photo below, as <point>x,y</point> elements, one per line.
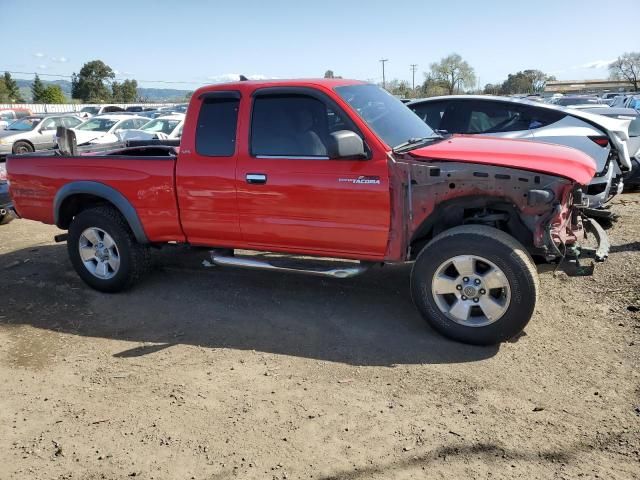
<point>215,374</point>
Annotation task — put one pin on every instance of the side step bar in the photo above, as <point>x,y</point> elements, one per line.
<point>311,269</point>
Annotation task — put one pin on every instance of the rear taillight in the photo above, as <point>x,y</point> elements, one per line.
<point>601,140</point>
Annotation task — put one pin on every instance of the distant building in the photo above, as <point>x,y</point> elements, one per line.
<point>586,86</point>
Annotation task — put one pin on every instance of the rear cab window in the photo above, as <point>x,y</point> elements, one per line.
<point>217,124</point>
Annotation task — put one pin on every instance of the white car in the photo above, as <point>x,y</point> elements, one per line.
<point>95,110</point>
<point>165,127</point>
<point>603,139</point>
<point>104,128</point>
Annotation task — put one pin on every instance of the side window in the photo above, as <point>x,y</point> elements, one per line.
<point>217,124</point>
<point>431,113</point>
<point>126,125</point>
<point>493,117</point>
<point>293,125</point>
<point>455,118</point>
<point>48,124</point>
<point>496,117</point>
<point>137,123</point>
<point>70,122</point>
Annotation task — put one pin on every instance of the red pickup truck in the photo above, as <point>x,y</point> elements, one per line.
<point>323,168</point>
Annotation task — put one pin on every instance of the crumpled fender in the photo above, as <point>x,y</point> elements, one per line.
<point>545,158</point>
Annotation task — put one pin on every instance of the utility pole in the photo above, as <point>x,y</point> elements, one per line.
<point>383,61</point>
<point>414,67</point>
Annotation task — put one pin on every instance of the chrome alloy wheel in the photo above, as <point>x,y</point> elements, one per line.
<point>471,290</point>
<point>99,253</point>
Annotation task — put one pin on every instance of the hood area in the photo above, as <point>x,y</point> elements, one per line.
<point>84,136</point>
<point>521,154</point>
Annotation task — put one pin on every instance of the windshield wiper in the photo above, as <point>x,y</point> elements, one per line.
<point>415,141</point>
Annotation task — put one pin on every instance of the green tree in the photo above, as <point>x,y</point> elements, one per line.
<point>453,72</point>
<point>13,89</point>
<point>4,92</point>
<point>125,92</point>
<point>328,74</point>
<point>626,67</point>
<point>92,83</point>
<point>492,89</point>
<point>432,87</point>
<point>37,89</point>
<point>527,81</point>
<point>52,94</point>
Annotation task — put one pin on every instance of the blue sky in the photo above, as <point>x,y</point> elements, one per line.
<point>200,42</point>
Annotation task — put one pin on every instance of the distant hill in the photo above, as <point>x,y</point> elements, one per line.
<point>148,94</point>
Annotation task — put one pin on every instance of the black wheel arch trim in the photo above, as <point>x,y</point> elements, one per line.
<point>110,194</point>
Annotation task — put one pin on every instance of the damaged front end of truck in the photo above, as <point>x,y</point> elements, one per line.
<point>540,210</point>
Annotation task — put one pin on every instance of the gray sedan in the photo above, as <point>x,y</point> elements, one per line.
<point>35,132</point>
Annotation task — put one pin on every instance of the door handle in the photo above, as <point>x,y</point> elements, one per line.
<point>256,178</point>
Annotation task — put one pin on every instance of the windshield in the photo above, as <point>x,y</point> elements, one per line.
<point>385,114</point>
<point>91,110</point>
<point>24,125</point>
<point>161,125</point>
<point>97,125</point>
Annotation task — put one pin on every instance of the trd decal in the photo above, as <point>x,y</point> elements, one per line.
<point>361,179</point>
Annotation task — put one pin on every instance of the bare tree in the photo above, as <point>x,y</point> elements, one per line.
<point>626,67</point>
<point>453,72</point>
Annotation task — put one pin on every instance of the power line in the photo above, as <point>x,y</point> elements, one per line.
<point>70,76</point>
<point>383,61</point>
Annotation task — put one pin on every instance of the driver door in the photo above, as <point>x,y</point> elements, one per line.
<point>293,196</point>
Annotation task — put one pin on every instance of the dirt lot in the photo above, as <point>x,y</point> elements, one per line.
<point>215,374</point>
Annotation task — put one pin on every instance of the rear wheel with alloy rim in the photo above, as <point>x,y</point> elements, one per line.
<point>104,251</point>
<point>99,253</point>
<point>475,284</point>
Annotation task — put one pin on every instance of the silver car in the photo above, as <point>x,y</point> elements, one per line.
<point>603,139</point>
<point>35,132</point>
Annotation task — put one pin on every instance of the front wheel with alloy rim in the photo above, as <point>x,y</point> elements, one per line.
<point>475,284</point>
<point>104,251</point>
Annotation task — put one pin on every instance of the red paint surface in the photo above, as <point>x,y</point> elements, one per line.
<point>538,157</point>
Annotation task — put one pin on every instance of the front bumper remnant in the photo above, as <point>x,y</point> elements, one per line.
<point>602,251</point>
<point>579,260</point>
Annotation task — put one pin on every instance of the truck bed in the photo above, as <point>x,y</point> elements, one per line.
<point>143,175</point>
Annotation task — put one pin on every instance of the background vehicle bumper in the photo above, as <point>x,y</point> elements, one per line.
<point>5,150</point>
<point>632,178</point>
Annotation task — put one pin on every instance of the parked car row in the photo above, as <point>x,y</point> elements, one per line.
<point>38,132</point>
<point>34,132</point>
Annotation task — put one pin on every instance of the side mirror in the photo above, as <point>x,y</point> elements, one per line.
<point>346,144</point>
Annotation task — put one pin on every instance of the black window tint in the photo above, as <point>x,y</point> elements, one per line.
<point>455,118</point>
<point>216,131</point>
<point>430,112</point>
<point>291,125</point>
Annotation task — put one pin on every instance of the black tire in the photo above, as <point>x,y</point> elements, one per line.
<point>504,252</point>
<point>22,147</point>
<point>133,257</point>
<point>5,218</point>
